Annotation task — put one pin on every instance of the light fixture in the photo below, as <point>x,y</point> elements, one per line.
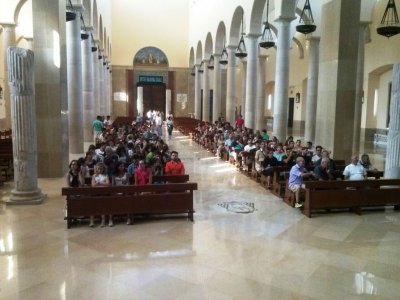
<point>267,40</point>
<point>224,56</point>
<point>201,68</point>
<point>211,63</point>
<point>70,15</point>
<point>241,48</point>
<point>193,71</point>
<point>390,25</point>
<point>84,36</point>
<point>306,22</point>
<point>94,48</point>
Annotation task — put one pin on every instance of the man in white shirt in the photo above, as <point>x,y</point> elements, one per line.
<point>354,171</point>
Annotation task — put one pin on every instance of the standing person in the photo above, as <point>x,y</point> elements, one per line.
<point>239,122</point>
<point>158,123</point>
<point>170,126</point>
<point>297,173</point>
<point>99,178</point>
<point>143,174</point>
<point>97,129</point>
<point>74,177</point>
<point>107,122</point>
<point>174,166</point>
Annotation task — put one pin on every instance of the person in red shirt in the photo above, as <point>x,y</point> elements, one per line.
<point>174,166</point>
<point>239,123</point>
<point>143,174</point>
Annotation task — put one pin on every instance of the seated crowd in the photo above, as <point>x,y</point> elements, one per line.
<point>263,152</point>
<point>130,154</point>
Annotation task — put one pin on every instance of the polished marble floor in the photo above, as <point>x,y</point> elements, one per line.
<point>272,253</point>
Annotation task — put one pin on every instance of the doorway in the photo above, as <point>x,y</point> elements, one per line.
<point>290,113</point>
<point>153,96</point>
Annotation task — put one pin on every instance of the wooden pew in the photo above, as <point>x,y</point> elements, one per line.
<point>349,194</point>
<point>168,198</point>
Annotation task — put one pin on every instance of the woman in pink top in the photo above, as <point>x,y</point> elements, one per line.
<point>143,174</point>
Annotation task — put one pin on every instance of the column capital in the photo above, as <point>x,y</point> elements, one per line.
<point>263,56</point>
<point>313,38</point>
<point>285,19</point>
<point>8,25</point>
<point>217,55</point>
<point>364,23</point>
<point>252,35</point>
<point>76,7</point>
<point>89,28</point>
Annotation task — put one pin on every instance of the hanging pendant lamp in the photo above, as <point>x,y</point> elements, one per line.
<point>267,40</point>
<point>224,56</point>
<point>390,24</point>
<point>306,22</point>
<point>241,48</point>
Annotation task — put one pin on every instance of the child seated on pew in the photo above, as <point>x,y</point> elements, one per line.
<point>99,178</point>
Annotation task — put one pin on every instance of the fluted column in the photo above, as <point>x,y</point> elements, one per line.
<point>75,92</point>
<point>282,79</point>
<point>8,41</point>
<point>260,100</point>
<point>168,106</point>
<point>206,93</point>
<point>96,82</point>
<point>244,82</point>
<point>251,80</point>
<point>230,85</point>
<point>216,87</point>
<point>392,167</point>
<point>197,91</point>
<point>139,100</point>
<point>23,114</point>
<point>359,87</point>
<point>87,87</point>
<point>312,89</point>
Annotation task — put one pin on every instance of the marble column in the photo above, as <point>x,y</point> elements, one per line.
<point>22,86</point>
<point>392,167</point>
<point>230,85</point>
<point>260,100</point>
<point>75,91</point>
<point>312,89</point>
<point>139,100</point>
<point>197,92</point>
<point>216,87</point>
<point>49,28</point>
<point>359,87</point>
<point>107,105</point>
<point>102,107</point>
<point>251,80</point>
<point>168,106</point>
<point>244,83</point>
<point>206,93</point>
<point>282,79</point>
<point>8,41</point>
<point>337,77</point>
<point>87,87</point>
<point>96,82</point>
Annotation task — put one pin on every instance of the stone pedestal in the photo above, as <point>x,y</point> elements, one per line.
<point>139,101</point>
<point>337,80</point>
<point>88,88</point>
<point>230,85</point>
<point>197,93</point>
<point>168,106</point>
<point>206,93</point>
<point>312,89</point>
<point>392,167</point>
<point>75,92</point>
<point>216,88</point>
<point>251,80</point>
<point>23,114</point>
<point>260,100</point>
<point>282,79</point>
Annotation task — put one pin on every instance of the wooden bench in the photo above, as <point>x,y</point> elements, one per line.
<point>353,195</point>
<point>168,198</point>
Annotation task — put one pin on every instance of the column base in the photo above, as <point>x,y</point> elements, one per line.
<point>28,197</point>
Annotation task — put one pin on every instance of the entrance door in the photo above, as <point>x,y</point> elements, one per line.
<point>290,113</point>
<point>153,96</point>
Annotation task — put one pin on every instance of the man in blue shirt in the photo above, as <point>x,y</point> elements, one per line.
<point>297,173</point>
